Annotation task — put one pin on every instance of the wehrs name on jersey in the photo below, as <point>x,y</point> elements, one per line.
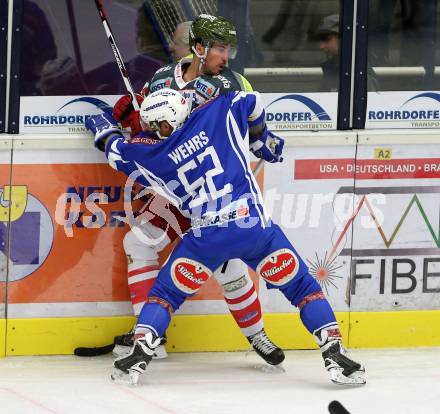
<point>189,147</point>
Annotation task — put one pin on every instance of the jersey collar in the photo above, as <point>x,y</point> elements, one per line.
<point>178,71</point>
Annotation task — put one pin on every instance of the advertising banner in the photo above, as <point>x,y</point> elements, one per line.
<point>367,227</point>
<point>313,215</point>
<point>403,109</point>
<point>60,254</point>
<point>375,218</point>
<point>5,168</point>
<point>66,249</point>
<point>61,114</point>
<point>396,234</point>
<point>67,114</point>
<point>301,111</point>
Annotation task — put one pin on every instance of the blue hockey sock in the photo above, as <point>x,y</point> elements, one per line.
<point>316,314</point>
<point>155,317</point>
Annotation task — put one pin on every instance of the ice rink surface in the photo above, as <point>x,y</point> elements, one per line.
<point>398,381</point>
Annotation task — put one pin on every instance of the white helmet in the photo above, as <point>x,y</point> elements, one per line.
<point>164,105</point>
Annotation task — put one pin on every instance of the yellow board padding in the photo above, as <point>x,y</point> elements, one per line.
<point>394,329</point>
<point>187,333</point>
<point>193,333</point>
<point>60,336</point>
<point>2,337</point>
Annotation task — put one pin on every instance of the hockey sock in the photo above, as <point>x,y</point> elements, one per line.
<point>244,305</point>
<point>141,276</point>
<point>316,312</point>
<point>155,315</point>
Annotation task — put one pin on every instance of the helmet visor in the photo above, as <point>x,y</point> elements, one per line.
<point>222,49</point>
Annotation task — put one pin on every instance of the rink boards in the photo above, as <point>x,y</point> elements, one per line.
<point>362,209</point>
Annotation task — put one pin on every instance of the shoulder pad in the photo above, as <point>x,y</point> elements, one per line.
<point>163,69</point>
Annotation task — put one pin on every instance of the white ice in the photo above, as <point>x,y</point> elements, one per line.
<point>398,381</point>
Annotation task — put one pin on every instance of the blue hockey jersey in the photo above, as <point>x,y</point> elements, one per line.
<point>203,167</point>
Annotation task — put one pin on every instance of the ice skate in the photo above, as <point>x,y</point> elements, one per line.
<point>265,348</point>
<point>124,343</point>
<point>129,367</point>
<point>343,370</point>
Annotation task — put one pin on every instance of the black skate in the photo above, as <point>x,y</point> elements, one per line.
<point>343,370</point>
<point>129,367</point>
<point>265,348</point>
<point>124,343</point>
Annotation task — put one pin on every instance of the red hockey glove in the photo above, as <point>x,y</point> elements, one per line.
<point>124,112</point>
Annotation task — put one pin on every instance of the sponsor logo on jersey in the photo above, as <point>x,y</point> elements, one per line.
<point>226,82</point>
<point>205,88</point>
<point>236,210</point>
<point>160,84</point>
<point>419,111</point>
<point>144,140</point>
<point>31,232</point>
<point>279,268</point>
<point>189,275</point>
<point>295,111</point>
<point>67,119</point>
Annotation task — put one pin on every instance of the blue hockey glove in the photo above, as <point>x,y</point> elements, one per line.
<point>102,126</point>
<point>268,146</point>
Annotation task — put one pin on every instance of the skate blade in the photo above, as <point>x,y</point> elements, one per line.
<point>355,379</point>
<point>121,350</point>
<point>160,352</point>
<point>120,377</point>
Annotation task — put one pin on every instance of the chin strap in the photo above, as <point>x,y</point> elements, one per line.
<point>201,57</point>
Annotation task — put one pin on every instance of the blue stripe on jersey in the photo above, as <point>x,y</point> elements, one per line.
<point>238,147</point>
<point>257,115</point>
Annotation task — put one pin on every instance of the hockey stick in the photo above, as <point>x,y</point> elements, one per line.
<point>117,54</point>
<point>95,351</point>
<point>335,407</point>
<point>102,350</point>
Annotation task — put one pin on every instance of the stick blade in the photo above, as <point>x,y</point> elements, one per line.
<point>91,352</point>
<point>335,407</point>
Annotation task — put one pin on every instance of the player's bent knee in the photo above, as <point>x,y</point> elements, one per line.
<point>189,275</point>
<point>279,267</point>
<point>136,250</point>
<point>237,284</point>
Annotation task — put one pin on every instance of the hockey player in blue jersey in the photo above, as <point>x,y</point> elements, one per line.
<point>202,166</point>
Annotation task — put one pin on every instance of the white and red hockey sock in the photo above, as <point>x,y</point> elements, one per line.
<point>244,305</point>
<point>141,277</point>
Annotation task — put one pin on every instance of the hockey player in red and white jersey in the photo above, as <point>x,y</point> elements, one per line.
<point>199,78</point>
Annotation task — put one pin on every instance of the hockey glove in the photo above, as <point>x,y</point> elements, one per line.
<point>124,112</point>
<point>102,126</point>
<point>268,146</point>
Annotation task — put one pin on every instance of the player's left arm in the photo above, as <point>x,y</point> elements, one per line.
<point>262,142</point>
<point>109,138</point>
